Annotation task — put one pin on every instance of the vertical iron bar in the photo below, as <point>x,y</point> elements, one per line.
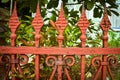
<point>60,25</point>
<point>82,67</point>
<point>13,56</point>
<point>83,24</point>
<point>104,57</point>
<point>13,66</point>
<point>104,69</point>
<point>60,68</point>
<point>37,57</point>
<point>37,24</point>
<point>60,40</point>
<point>83,41</point>
<point>37,63</point>
<point>13,23</point>
<point>105,25</point>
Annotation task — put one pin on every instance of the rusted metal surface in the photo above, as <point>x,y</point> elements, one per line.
<point>83,25</point>
<point>105,25</point>
<point>37,23</point>
<point>60,51</point>
<point>59,57</point>
<point>60,26</point>
<point>6,60</point>
<point>98,62</point>
<point>59,63</point>
<point>13,23</point>
<point>63,62</point>
<point>105,61</point>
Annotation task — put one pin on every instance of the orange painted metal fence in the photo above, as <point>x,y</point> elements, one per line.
<point>102,64</point>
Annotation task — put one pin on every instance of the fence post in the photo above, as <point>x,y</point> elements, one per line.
<point>37,23</point>
<point>105,25</point>
<point>83,25</point>
<point>13,23</point>
<point>61,24</point>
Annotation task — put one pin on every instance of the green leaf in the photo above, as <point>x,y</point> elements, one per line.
<point>64,1</point>
<point>52,3</point>
<point>109,13</point>
<point>32,76</point>
<point>90,5</point>
<point>53,17</point>
<point>33,4</point>
<point>49,6</point>
<point>43,12</point>
<point>5,1</point>
<point>54,12</point>
<point>66,10</point>
<point>96,12</point>
<point>115,12</point>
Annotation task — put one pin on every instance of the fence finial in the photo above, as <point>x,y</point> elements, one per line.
<point>61,24</point>
<point>83,24</point>
<point>37,24</point>
<point>13,23</point>
<point>14,20</point>
<point>83,6</point>
<point>105,23</point>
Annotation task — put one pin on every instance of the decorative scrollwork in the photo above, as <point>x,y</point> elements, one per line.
<point>113,61</point>
<point>69,60</point>
<point>59,64</point>
<point>110,61</point>
<point>24,59</point>
<point>96,61</point>
<point>4,59</point>
<point>51,60</point>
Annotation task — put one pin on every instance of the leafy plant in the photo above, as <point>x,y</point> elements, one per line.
<point>25,33</point>
<point>4,29</point>
<point>114,39</point>
<point>96,5</point>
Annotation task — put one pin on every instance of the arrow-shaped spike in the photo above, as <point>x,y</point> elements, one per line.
<point>105,23</point>
<point>37,22</point>
<point>83,22</point>
<point>61,23</point>
<point>14,20</point>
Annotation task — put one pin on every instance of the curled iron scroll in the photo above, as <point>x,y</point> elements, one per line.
<point>24,59</point>
<point>69,60</point>
<point>4,59</point>
<point>113,61</point>
<point>96,61</point>
<point>51,60</point>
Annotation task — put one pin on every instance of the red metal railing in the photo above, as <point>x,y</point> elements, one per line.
<point>58,62</point>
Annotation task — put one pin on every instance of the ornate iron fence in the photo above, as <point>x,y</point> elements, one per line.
<point>59,62</point>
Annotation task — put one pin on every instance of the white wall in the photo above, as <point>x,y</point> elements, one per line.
<point>115,20</point>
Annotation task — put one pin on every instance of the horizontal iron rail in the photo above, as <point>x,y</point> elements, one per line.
<point>58,51</point>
